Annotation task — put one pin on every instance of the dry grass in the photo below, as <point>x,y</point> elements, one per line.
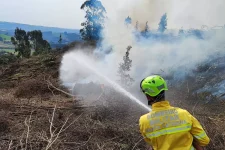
<point>32,87</point>
<point>111,125</point>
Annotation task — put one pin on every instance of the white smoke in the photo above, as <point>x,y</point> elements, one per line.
<point>151,57</point>
<point>181,13</point>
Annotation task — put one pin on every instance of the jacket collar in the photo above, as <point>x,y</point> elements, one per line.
<point>161,105</point>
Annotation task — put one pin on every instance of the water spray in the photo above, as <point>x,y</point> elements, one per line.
<point>116,86</point>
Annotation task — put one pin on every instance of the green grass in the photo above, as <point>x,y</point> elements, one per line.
<point>8,50</point>
<point>6,46</point>
<point>5,37</point>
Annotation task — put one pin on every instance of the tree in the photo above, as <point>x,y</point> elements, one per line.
<point>45,46</point>
<point>36,38</point>
<point>21,42</point>
<point>39,44</point>
<point>6,58</point>
<point>136,26</point>
<point>1,39</point>
<point>60,39</point>
<point>128,21</point>
<point>163,23</point>
<point>181,32</point>
<point>95,16</point>
<point>146,30</point>
<point>124,68</point>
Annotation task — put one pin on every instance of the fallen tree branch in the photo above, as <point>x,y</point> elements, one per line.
<point>64,92</point>
<point>27,124</point>
<point>193,110</point>
<point>137,143</point>
<point>50,108</point>
<point>54,136</point>
<point>10,144</point>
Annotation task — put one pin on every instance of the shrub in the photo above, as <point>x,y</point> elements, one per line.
<point>6,58</point>
<point>30,88</point>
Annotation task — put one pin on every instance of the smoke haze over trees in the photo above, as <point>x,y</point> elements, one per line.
<point>95,16</point>
<point>163,23</point>
<point>123,72</point>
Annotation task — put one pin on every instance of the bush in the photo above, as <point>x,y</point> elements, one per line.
<point>30,88</point>
<point>48,60</point>
<point>6,58</point>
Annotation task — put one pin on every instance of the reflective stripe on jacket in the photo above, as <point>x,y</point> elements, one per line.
<point>171,128</point>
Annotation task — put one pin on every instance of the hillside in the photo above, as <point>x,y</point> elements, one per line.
<point>51,34</point>
<point>36,113</point>
<point>12,26</point>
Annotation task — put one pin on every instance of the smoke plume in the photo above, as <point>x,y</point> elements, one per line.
<point>151,56</point>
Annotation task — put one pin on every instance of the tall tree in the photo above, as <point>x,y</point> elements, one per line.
<point>45,46</point>
<point>21,42</point>
<point>181,32</point>
<point>163,23</point>
<point>60,39</point>
<point>39,44</point>
<point>128,20</point>
<point>146,30</point>
<point>136,26</point>
<point>95,16</point>
<point>125,79</point>
<point>36,38</point>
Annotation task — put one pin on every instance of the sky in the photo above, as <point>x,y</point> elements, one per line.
<point>67,13</point>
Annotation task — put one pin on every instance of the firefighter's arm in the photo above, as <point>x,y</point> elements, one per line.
<point>148,141</point>
<point>198,132</point>
<point>197,146</point>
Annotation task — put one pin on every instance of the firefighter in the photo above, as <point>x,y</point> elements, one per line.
<point>167,127</point>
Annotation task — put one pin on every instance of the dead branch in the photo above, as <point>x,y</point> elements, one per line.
<point>10,144</point>
<point>137,143</point>
<point>50,89</point>
<point>21,139</point>
<point>100,147</point>
<point>53,135</point>
<point>50,84</point>
<point>72,122</point>
<point>28,129</point>
<point>193,110</point>
<point>50,108</point>
<point>188,88</point>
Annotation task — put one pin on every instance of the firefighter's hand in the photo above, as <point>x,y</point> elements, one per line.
<point>150,148</point>
<point>197,146</point>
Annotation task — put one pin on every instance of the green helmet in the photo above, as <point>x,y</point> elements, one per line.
<point>153,85</point>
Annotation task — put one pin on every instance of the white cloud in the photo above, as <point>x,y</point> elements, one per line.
<point>59,13</point>
<point>67,13</point>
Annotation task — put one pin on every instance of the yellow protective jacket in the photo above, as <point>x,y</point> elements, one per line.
<point>171,128</point>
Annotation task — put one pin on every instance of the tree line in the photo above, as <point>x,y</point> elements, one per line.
<point>162,26</point>
<point>25,42</point>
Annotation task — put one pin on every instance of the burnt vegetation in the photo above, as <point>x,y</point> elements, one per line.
<point>36,115</point>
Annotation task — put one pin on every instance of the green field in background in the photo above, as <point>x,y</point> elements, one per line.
<point>8,50</point>
<point>5,37</point>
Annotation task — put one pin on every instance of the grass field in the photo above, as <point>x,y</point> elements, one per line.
<point>5,37</point>
<point>8,50</point>
<point>6,46</point>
